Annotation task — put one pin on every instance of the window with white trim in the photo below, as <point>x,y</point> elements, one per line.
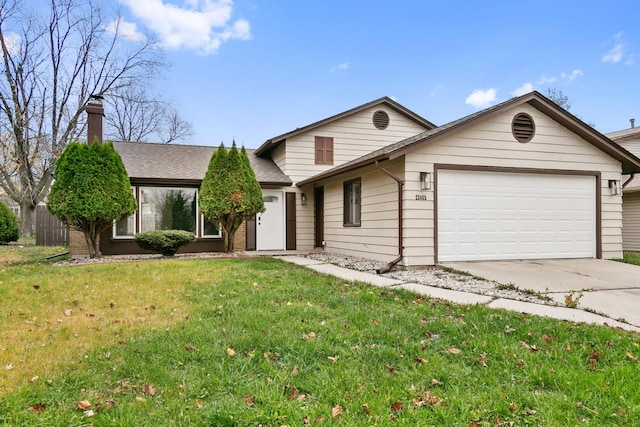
<point>166,208</point>
<point>352,202</point>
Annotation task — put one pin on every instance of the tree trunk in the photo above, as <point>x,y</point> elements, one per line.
<point>93,243</point>
<point>27,219</point>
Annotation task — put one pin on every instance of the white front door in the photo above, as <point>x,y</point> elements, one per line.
<point>270,223</point>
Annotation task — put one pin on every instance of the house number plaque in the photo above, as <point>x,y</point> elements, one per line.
<point>421,197</point>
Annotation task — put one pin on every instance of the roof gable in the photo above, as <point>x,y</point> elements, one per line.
<point>630,163</point>
<point>185,163</point>
<point>272,143</point>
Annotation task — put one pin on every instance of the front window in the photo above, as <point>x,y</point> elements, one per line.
<point>352,205</point>
<point>168,209</point>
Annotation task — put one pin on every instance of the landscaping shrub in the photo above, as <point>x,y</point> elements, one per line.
<point>9,230</point>
<point>166,242</point>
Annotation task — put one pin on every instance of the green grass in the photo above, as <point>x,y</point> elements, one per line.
<point>631,258</point>
<point>263,342</point>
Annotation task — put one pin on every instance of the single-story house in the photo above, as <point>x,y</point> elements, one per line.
<point>523,179</point>
<point>630,140</point>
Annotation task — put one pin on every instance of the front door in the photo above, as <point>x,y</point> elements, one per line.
<point>270,223</point>
<point>319,216</point>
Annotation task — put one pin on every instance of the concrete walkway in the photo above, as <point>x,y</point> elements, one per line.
<point>562,313</point>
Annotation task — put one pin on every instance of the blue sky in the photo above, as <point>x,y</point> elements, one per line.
<point>254,69</point>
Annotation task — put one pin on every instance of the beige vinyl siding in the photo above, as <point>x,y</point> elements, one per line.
<point>490,143</point>
<point>631,221</point>
<point>377,236</point>
<point>353,136</point>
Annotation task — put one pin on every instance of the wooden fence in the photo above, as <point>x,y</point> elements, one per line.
<point>49,230</point>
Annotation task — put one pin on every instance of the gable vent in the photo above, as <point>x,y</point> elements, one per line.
<point>523,127</point>
<point>380,119</point>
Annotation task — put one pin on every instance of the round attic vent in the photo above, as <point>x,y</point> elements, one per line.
<point>523,127</point>
<point>380,119</point>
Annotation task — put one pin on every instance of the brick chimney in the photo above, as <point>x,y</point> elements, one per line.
<point>95,112</point>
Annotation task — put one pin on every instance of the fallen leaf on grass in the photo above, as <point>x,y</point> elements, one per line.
<point>249,400</point>
<point>530,412</point>
<point>190,348</point>
<point>149,389</point>
<point>474,424</point>
<point>336,411</point>
<point>547,338</point>
<point>421,361</point>
<point>397,406</point>
<point>309,336</point>
<point>68,312</point>
<point>84,405</point>
<point>140,399</point>
<point>366,408</point>
<point>37,408</point>
<point>631,356</point>
<point>454,350</point>
<point>334,359</point>
<point>231,352</point>
<point>427,399</point>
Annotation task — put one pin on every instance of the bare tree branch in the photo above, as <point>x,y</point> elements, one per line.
<point>49,67</point>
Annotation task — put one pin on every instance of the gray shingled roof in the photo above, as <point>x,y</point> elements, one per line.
<point>173,162</point>
<point>624,133</point>
<point>630,163</point>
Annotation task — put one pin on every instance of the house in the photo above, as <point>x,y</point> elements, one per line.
<point>630,140</point>
<point>524,179</point>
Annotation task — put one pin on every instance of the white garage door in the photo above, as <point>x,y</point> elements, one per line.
<point>500,215</point>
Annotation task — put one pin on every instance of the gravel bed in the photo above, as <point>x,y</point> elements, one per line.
<point>433,276</point>
<point>430,276</point>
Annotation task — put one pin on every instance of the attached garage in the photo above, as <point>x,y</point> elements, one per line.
<point>489,215</point>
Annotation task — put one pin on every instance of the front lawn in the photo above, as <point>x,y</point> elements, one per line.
<point>263,342</point>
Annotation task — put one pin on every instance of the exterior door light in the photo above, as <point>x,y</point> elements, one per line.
<point>614,186</point>
<point>425,180</point>
<point>303,199</point>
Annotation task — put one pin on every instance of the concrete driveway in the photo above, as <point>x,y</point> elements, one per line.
<point>609,287</point>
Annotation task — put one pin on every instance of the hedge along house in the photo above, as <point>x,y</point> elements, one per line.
<point>523,179</point>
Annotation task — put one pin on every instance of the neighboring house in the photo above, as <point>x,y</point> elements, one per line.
<point>630,140</point>
<point>521,180</point>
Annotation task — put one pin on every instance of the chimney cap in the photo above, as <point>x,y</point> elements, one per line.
<point>98,97</point>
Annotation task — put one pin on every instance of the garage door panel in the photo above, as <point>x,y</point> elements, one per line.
<point>499,215</point>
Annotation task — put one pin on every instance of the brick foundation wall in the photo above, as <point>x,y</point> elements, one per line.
<point>77,244</point>
<point>240,238</point>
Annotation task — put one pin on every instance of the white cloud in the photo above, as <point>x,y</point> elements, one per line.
<point>525,88</point>
<point>481,98</point>
<point>341,67</point>
<point>616,53</point>
<point>125,29</point>
<point>200,25</point>
<point>13,42</point>
<point>546,80</point>
<point>574,75</point>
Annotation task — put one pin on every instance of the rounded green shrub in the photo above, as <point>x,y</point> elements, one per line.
<point>166,242</point>
<point>9,230</point>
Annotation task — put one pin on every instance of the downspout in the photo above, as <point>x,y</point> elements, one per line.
<point>627,182</point>
<point>389,266</point>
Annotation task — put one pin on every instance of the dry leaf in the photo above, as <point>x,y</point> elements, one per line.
<point>231,352</point>
<point>454,350</point>
<point>149,389</point>
<point>435,382</point>
<point>530,412</point>
<point>513,406</point>
<point>89,413</point>
<point>293,393</point>
<point>68,312</point>
<point>249,400</point>
<point>421,361</point>
<point>37,408</point>
<point>309,336</point>
<point>198,404</point>
<point>140,399</point>
<point>547,338</point>
<point>334,359</point>
<point>508,330</point>
<point>294,371</point>
<point>397,406</point>
<point>190,348</point>
<point>474,424</point>
<point>83,405</point>
<point>630,356</point>
<point>366,408</point>
<point>336,411</point>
